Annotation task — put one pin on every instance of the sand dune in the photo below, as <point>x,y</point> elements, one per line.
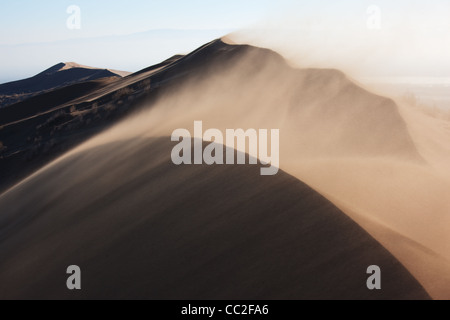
<point>60,75</point>
<point>370,156</point>
<point>141,227</point>
<point>320,110</point>
<point>360,143</point>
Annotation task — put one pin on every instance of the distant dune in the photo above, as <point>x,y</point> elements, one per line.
<point>116,194</point>
<point>60,75</point>
<point>141,227</point>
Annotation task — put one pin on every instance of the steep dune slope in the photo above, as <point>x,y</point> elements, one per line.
<point>141,227</point>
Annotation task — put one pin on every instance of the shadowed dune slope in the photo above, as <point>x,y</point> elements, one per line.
<point>141,227</point>
<point>60,75</point>
<point>47,101</point>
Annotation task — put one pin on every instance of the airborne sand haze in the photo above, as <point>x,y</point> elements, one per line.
<point>236,139</point>
<point>141,227</point>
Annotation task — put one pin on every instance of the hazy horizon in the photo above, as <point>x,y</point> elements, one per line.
<point>135,35</point>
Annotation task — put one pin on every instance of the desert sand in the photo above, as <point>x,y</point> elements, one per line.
<point>115,198</point>
<point>141,227</point>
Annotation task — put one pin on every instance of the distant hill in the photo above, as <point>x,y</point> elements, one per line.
<point>58,76</point>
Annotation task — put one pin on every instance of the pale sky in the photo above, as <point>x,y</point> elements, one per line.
<point>45,20</point>
<point>133,34</point>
